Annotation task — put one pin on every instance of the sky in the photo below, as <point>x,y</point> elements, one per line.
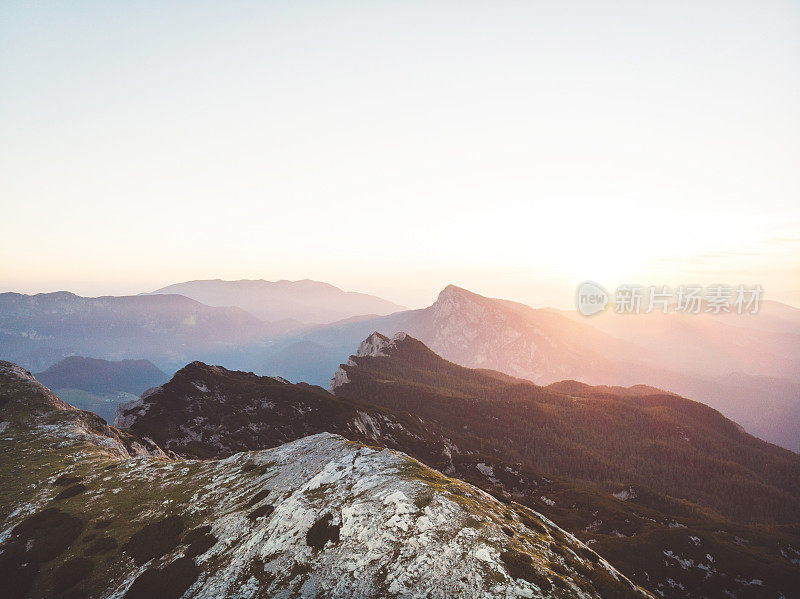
<point>513,148</point>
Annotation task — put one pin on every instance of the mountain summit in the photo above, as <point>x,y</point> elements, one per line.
<point>453,293</point>
<point>381,345</point>
<point>209,411</point>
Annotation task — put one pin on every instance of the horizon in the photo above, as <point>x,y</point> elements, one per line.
<point>567,303</point>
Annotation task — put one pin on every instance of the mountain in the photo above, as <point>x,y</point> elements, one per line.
<point>33,419</point>
<point>750,373</point>
<point>208,411</point>
<point>545,345</point>
<point>745,366</point>
<point>684,485</point>
<point>306,301</point>
<point>39,330</point>
<point>673,445</point>
<point>102,376</point>
<point>674,547</point>
<point>99,386</point>
<point>318,517</point>
<point>483,333</point>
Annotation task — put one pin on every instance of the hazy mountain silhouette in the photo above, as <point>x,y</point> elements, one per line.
<point>747,373</point>
<point>306,301</point>
<point>37,331</point>
<point>103,376</point>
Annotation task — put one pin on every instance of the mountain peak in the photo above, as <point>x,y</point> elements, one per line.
<point>196,365</point>
<point>453,291</point>
<point>28,407</point>
<point>36,400</point>
<point>401,348</point>
<point>453,299</point>
<point>373,345</point>
<point>15,371</point>
<point>379,345</point>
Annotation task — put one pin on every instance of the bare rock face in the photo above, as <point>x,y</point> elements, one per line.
<point>373,345</point>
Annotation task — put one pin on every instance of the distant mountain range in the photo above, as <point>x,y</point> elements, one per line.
<point>39,330</point>
<point>748,366</point>
<point>652,480</point>
<point>306,301</point>
<point>707,344</point>
<point>545,345</point>
<point>322,516</point>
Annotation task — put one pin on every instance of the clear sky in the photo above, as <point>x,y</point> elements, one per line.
<point>513,148</point>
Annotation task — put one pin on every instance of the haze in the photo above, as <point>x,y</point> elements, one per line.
<point>511,148</point>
